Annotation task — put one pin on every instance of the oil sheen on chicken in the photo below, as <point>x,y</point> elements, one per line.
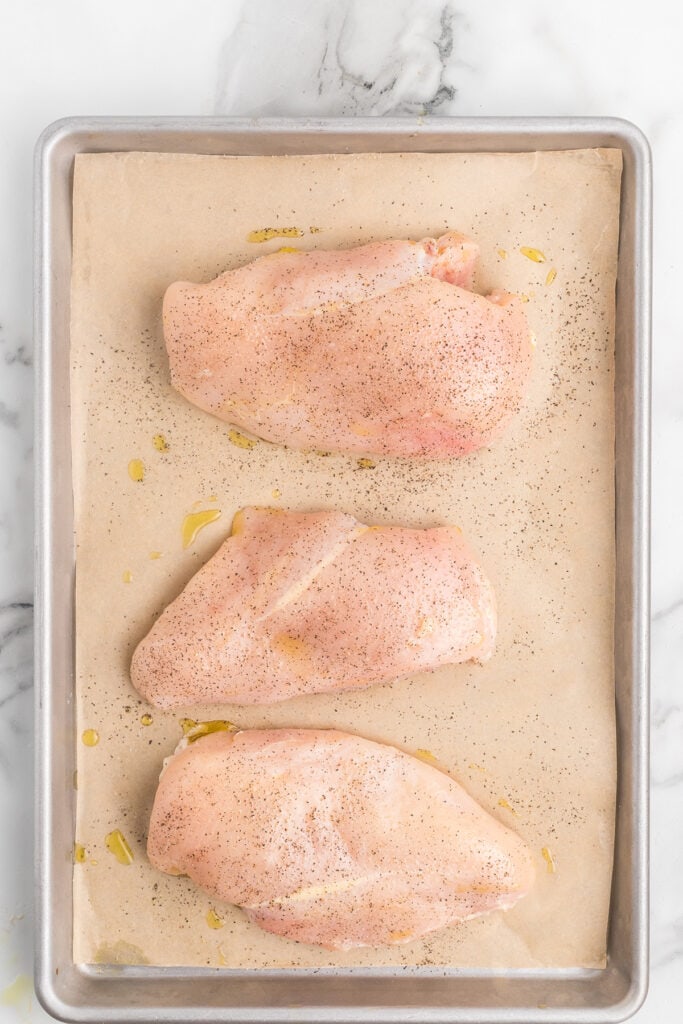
<point>331,839</point>
<point>296,603</point>
<point>383,349</point>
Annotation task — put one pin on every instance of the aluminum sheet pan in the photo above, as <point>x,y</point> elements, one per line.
<point>75,992</point>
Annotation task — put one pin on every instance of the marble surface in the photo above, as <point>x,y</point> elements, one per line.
<point>331,57</point>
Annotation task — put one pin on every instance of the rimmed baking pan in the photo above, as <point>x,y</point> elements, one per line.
<point>82,993</point>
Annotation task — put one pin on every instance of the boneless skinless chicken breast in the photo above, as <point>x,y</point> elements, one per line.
<point>296,603</point>
<point>382,349</point>
<point>331,839</point>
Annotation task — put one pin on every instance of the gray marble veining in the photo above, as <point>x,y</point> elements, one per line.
<point>352,58</point>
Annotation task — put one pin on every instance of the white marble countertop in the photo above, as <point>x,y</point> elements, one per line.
<point>332,57</point>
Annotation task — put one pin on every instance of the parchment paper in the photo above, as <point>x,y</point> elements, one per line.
<point>531,735</point>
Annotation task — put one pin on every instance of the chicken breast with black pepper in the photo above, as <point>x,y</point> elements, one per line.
<point>296,603</point>
<point>383,349</point>
<point>332,839</point>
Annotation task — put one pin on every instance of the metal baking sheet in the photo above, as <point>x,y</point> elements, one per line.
<point>83,993</point>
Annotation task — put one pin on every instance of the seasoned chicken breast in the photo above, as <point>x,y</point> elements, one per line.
<point>331,839</point>
<point>381,349</point>
<point>296,603</point>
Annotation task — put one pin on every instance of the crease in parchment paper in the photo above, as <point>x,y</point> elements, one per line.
<point>531,734</point>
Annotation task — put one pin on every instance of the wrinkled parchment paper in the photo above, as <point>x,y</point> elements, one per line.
<point>531,735</point>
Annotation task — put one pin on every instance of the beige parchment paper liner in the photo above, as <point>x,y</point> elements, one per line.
<point>531,735</point>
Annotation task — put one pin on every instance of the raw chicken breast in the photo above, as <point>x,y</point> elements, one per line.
<point>381,349</point>
<point>331,839</point>
<point>297,603</point>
